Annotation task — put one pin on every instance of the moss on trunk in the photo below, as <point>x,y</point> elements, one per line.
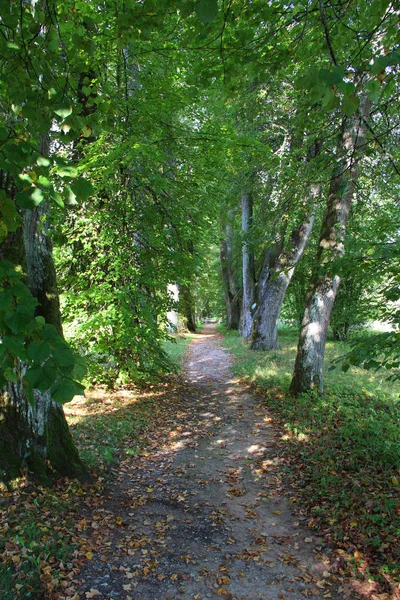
<point>45,451</point>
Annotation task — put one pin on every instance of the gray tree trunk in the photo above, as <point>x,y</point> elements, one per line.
<point>232,291</point>
<point>35,437</point>
<point>246,319</point>
<point>308,371</point>
<point>276,274</point>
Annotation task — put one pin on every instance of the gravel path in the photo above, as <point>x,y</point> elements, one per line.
<point>202,515</point>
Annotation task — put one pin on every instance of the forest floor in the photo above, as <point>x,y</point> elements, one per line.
<point>193,497</point>
<point>203,512</point>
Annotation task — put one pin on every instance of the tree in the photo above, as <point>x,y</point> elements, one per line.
<point>231,288</point>
<point>358,94</point>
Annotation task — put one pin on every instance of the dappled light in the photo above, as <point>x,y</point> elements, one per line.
<point>199,300</point>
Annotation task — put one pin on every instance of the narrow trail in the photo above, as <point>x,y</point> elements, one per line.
<point>202,515</point>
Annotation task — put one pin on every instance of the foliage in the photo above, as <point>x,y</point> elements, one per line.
<point>32,351</point>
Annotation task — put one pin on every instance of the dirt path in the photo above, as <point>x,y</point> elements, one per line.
<point>202,516</point>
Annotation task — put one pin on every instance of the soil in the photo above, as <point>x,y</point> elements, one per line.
<point>203,514</point>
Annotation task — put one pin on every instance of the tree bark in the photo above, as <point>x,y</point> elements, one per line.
<point>232,291</point>
<point>276,274</point>
<point>246,319</point>
<point>187,304</point>
<point>308,371</point>
<point>35,437</point>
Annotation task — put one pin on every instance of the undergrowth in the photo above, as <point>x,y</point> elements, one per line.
<point>343,449</point>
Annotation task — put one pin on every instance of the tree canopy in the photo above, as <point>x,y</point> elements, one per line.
<point>130,133</point>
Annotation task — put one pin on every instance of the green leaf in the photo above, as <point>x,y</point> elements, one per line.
<point>6,300</point>
<point>3,134</point>
<point>44,182</point>
<point>11,218</point>
<point>58,199</point>
<point>15,345</point>
<point>64,390</point>
<point>86,131</point>
<point>10,375</point>
<point>20,320</point>
<point>374,90</point>
<point>3,231</point>
<point>79,370</point>
<point>82,188</point>
<point>350,105</point>
<point>63,355</point>
<point>207,10</point>
<point>39,351</point>
<point>66,171</point>
<point>43,161</point>
<point>332,77</point>
<point>63,110</point>
<point>29,200</point>
<point>42,378</point>
<point>50,333</point>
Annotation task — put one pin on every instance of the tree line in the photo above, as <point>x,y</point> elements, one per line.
<point>134,137</point>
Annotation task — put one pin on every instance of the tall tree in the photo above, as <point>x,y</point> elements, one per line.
<point>232,291</point>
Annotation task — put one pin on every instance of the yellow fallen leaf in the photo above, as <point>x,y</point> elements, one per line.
<point>92,593</point>
<point>395,481</point>
<point>89,555</point>
<point>277,512</point>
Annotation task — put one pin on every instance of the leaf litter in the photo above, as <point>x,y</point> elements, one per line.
<point>192,504</point>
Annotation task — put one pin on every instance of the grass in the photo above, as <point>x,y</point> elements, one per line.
<point>343,449</point>
<point>176,347</point>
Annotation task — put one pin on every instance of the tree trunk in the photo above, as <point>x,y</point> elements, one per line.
<point>308,371</point>
<point>231,290</point>
<point>187,304</point>
<point>246,319</point>
<point>276,274</point>
<point>35,437</point>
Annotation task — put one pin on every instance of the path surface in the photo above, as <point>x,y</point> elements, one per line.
<point>203,516</point>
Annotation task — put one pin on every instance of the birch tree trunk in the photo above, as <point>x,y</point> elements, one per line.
<point>246,319</point>
<point>308,371</point>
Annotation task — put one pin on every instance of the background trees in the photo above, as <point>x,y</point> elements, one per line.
<point>127,131</point>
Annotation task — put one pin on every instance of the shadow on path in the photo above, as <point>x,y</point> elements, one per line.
<point>201,513</point>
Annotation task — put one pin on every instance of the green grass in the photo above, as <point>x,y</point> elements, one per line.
<point>343,447</point>
<point>177,346</point>
<point>107,426</point>
<point>275,368</point>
